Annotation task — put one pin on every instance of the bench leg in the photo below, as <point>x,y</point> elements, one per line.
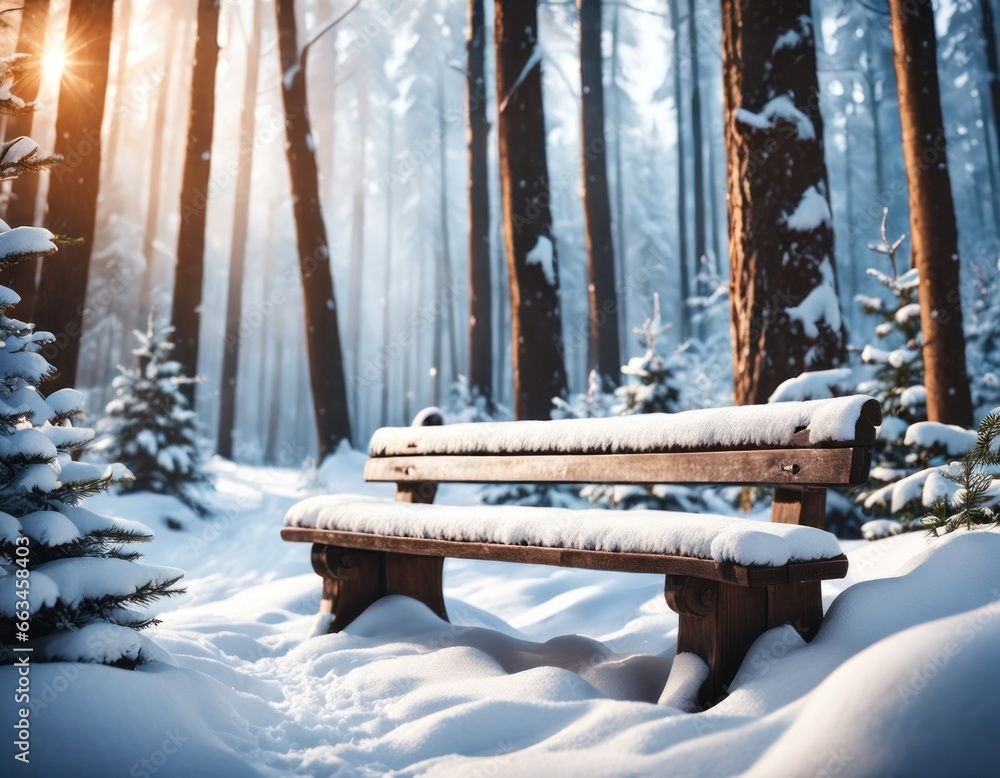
<point>798,604</point>
<point>353,579</point>
<point>718,622</point>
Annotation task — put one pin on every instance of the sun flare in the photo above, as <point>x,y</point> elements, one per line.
<point>54,61</point>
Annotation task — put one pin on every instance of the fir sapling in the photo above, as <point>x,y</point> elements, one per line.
<point>150,426</point>
<point>974,503</point>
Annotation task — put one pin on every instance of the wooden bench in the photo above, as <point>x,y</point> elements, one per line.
<point>729,579</point>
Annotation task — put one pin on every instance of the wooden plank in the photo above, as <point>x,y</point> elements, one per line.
<point>626,562</point>
<point>820,570</point>
<point>806,467</point>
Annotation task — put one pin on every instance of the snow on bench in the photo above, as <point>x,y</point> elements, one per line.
<point>782,425</point>
<point>722,539</point>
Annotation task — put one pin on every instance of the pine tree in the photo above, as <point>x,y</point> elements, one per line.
<point>975,474</point>
<point>151,427</point>
<point>70,586</point>
<point>897,381</point>
<point>655,389</point>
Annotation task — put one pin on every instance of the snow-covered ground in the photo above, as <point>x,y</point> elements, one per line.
<point>544,671</point>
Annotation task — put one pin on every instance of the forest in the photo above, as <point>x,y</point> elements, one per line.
<point>190,190</point>
<point>256,255</point>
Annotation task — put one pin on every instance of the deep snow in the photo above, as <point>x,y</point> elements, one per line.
<point>544,672</point>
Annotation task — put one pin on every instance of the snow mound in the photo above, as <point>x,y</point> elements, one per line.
<point>98,641</point>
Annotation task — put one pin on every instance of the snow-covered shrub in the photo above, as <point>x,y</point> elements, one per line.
<point>651,386</point>
<point>150,426</point>
<point>464,405</point>
<point>70,586</point>
<point>977,478</point>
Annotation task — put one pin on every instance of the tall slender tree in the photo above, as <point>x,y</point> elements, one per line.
<point>616,90</point>
<point>156,173</point>
<point>697,139</point>
<point>189,272</point>
<point>21,205</point>
<point>992,61</point>
<point>445,237</point>
<point>238,249</point>
<point>74,186</point>
<point>356,281</point>
<point>326,360</point>
<point>390,271</point>
<point>785,315</point>
<point>602,297</point>
<point>121,82</point>
<point>478,133</point>
<point>934,234</point>
<point>532,267</point>
<point>684,279</point>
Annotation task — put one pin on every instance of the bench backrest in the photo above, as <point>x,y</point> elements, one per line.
<point>812,443</point>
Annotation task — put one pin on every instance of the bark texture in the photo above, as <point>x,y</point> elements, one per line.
<point>785,316</point>
<point>323,343</point>
<point>189,272</point>
<point>478,133</point>
<point>532,266</point>
<point>603,341</point>
<point>21,206</point>
<point>238,252</point>
<point>933,233</point>
<point>75,184</point>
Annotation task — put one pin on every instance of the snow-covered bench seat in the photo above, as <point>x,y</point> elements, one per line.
<point>730,579</point>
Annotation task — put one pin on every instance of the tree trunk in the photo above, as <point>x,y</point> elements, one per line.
<point>121,81</point>
<point>684,281</point>
<point>185,312</point>
<point>238,251</point>
<point>389,272</point>
<point>75,184</point>
<point>991,165</point>
<point>622,251</point>
<point>532,266</point>
<point>326,362</point>
<point>934,236</point>
<point>603,345</point>
<point>992,62</point>
<point>713,206</point>
<point>993,73</point>
<point>448,288</point>
<point>785,313</point>
<point>21,206</point>
<point>697,141</point>
<point>356,280</point>
<point>156,177</point>
<point>874,92</point>
<point>480,284</point>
